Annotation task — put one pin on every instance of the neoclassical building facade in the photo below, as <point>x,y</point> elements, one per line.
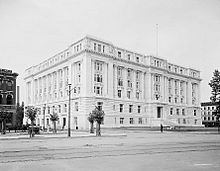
<point>133,89</point>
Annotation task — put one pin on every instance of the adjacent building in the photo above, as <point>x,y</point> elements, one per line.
<point>7,98</point>
<point>133,89</point>
<point>208,119</point>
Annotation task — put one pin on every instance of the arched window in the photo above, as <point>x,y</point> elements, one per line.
<point>9,99</point>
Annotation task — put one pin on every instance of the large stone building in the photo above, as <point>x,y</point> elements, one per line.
<point>133,89</point>
<point>7,98</point>
<point>208,119</point>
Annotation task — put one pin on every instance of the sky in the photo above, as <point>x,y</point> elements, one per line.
<point>32,31</point>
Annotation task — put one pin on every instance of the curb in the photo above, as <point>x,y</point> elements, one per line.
<point>37,137</point>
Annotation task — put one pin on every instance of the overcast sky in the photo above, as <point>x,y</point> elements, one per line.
<point>189,31</point>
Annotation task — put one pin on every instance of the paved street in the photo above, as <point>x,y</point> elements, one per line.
<point>138,150</point>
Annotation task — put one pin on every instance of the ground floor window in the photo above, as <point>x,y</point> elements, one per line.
<point>131,120</point>
<point>121,120</point>
<point>139,120</point>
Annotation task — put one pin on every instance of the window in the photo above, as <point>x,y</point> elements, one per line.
<point>177,111</point>
<point>98,66</point>
<point>129,73</point>
<point>9,99</point>
<point>129,84</point>
<point>130,108</point>
<point>131,120</point>
<point>171,111</point>
<point>98,78</point>
<point>137,59</point>
<point>157,78</point>
<point>129,57</point>
<point>137,95</point>
<point>9,85</point>
<point>139,109</point>
<point>119,71</point>
<point>175,99</point>
<point>98,90</point>
<point>121,107</point>
<point>76,106</point>
<point>119,54</point>
<point>129,94</point>
<point>137,75</point>
<point>48,109</point>
<point>59,108</point>
<point>65,108</point>
<point>140,121</point>
<point>137,85</point>
<point>194,112</point>
<point>120,82</point>
<point>183,111</point>
<point>94,46</point>
<point>103,49</point>
<point>119,93</point>
<point>169,68</point>
<point>170,99</point>
<point>121,120</point>
<point>99,105</point>
<point>99,48</point>
<point>184,121</point>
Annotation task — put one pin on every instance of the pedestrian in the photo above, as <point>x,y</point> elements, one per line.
<point>161,128</point>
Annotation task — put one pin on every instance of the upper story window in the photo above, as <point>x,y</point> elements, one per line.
<point>78,67</point>
<point>59,108</point>
<point>9,99</point>
<point>119,93</point>
<point>121,107</point>
<point>119,54</point>
<point>119,71</point>
<point>194,112</point>
<point>175,69</point>
<point>169,68</point>
<point>137,59</point>
<point>99,48</point>
<point>94,46</point>
<point>103,49</point>
<point>129,57</point>
<point>129,72</point>
<point>9,85</point>
<point>137,75</point>
<point>157,78</point>
<point>98,78</point>
<point>98,66</point>
<point>120,82</point>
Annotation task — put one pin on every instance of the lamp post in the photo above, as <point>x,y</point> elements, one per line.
<point>218,112</point>
<point>44,110</point>
<point>69,111</point>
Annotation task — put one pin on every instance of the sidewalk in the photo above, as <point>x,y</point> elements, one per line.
<point>61,134</point>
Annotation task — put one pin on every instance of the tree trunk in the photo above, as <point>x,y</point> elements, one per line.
<point>91,128</point>
<point>54,127</point>
<point>98,132</point>
<point>32,129</point>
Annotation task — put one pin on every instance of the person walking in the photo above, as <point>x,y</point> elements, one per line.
<point>161,128</point>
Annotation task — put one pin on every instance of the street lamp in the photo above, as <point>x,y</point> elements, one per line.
<point>69,110</point>
<point>44,110</point>
<point>69,92</point>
